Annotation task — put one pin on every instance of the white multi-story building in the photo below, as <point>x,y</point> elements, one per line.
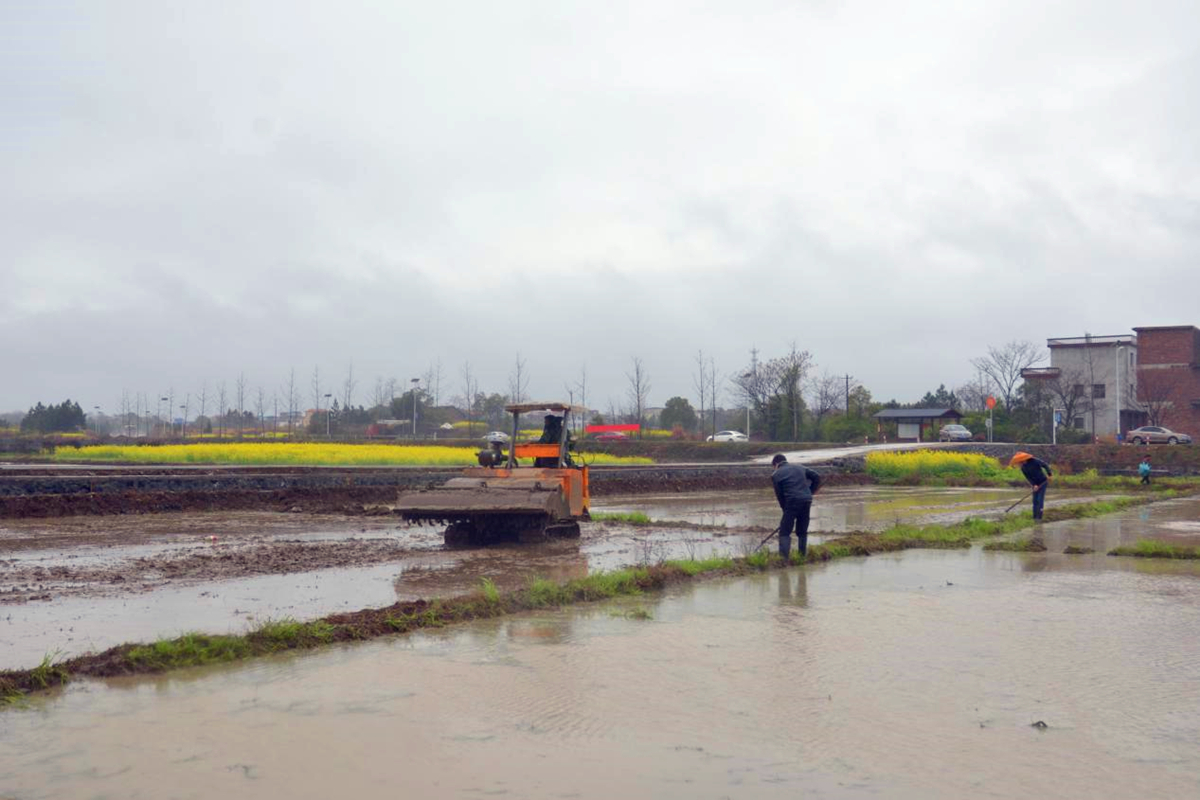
<point>1095,379</point>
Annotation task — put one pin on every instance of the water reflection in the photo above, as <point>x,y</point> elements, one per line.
<point>912,676</point>
<point>837,509</point>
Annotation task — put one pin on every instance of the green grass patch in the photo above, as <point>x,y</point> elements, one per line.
<point>1022,544</point>
<point>190,649</point>
<point>693,567</point>
<point>1152,548</point>
<point>626,517</point>
<point>490,593</point>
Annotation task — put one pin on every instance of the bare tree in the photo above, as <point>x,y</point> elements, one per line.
<point>223,399</point>
<point>827,396</point>
<point>203,397</point>
<point>755,385</point>
<point>260,410</point>
<point>126,408</point>
<point>240,389</point>
<point>793,371</point>
<point>700,384</point>
<point>291,396</point>
<point>1067,391</point>
<point>470,389</point>
<point>518,381</point>
<point>379,397</point>
<point>348,387</point>
<point>712,389</point>
<point>974,393</point>
<point>638,389</point>
<point>1156,394</point>
<point>433,382</point>
<point>170,420</point>
<point>1003,366</point>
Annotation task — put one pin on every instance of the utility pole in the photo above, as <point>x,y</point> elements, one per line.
<point>847,395</point>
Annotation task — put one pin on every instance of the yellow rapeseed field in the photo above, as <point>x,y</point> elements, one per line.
<point>298,454</point>
<point>897,465</point>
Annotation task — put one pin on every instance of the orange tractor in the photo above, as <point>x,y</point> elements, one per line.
<point>500,500</point>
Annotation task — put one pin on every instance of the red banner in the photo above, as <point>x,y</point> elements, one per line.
<point>607,428</point>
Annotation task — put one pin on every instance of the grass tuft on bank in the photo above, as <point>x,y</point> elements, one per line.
<point>624,517</point>
<point>1152,548</point>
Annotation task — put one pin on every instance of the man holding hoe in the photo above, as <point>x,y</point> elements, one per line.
<point>795,486</point>
<point>1038,473</point>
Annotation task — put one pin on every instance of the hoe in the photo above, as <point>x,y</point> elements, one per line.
<point>501,500</point>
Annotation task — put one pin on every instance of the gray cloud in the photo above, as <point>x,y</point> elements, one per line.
<point>197,191</point>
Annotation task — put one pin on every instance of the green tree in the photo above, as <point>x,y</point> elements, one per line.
<point>678,411</point>
<point>63,418</point>
<point>939,399</point>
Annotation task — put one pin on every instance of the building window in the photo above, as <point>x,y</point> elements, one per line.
<point>1097,391</point>
<point>1078,423</point>
<point>1077,390</point>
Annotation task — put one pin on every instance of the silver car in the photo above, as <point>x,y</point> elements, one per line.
<point>1156,434</point>
<point>954,433</point>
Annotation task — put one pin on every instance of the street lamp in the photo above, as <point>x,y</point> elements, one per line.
<point>415,383</point>
<point>327,415</point>
<point>158,413</point>
<point>183,421</point>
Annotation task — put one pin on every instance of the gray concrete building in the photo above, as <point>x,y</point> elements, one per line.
<point>1093,379</point>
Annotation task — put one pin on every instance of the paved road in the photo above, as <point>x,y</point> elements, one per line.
<point>830,453</point>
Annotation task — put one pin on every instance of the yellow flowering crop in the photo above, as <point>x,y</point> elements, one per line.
<point>298,454</point>
<point>898,465</point>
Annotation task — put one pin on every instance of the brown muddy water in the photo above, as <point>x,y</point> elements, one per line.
<point>913,675</point>
<point>99,582</point>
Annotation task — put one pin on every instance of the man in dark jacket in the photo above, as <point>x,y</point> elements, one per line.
<point>1038,473</point>
<point>795,486</point>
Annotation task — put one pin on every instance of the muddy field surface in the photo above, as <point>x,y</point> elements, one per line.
<point>88,557</point>
<point>70,585</point>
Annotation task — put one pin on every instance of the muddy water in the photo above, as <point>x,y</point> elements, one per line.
<point>95,618</point>
<point>836,510</point>
<point>914,675</point>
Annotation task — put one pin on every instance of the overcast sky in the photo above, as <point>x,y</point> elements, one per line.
<point>193,190</point>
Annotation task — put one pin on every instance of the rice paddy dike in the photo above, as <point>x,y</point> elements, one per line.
<point>350,478</point>
<point>486,600</point>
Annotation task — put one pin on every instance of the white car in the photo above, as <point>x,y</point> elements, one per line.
<point>729,436</point>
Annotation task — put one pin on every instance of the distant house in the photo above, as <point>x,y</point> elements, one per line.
<point>911,422</point>
<point>1102,373</point>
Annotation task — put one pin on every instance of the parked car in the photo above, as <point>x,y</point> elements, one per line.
<point>496,436</point>
<point>729,436</point>
<point>611,436</point>
<point>1155,434</point>
<point>954,433</point>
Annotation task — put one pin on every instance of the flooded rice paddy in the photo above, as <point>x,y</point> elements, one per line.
<point>913,675</point>
<point>99,582</point>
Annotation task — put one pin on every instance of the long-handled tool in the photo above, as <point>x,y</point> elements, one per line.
<point>1022,500</point>
<point>764,541</point>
